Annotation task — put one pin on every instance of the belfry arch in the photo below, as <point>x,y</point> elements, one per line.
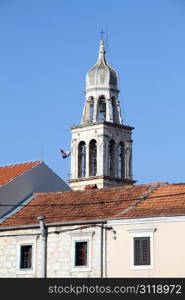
<point>81,159</point>
<point>92,158</point>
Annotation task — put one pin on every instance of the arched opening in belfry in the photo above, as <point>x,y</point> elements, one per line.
<point>121,160</point>
<point>113,108</point>
<point>91,109</point>
<point>92,158</point>
<point>101,109</point>
<point>81,159</point>
<point>111,158</point>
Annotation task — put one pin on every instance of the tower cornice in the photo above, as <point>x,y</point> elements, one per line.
<point>110,124</point>
<point>110,89</point>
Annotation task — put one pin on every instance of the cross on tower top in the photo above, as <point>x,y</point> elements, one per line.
<point>102,33</point>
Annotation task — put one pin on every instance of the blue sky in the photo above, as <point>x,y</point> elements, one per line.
<point>46,48</point>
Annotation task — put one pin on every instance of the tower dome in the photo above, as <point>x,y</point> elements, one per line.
<point>101,74</point>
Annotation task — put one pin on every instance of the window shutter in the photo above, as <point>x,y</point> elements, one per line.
<point>137,251</point>
<point>146,251</point>
<point>142,251</point>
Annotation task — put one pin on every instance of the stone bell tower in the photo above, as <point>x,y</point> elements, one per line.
<point>101,149</point>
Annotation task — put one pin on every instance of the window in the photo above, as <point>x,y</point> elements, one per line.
<point>111,158</point>
<point>101,109</point>
<point>81,159</point>
<point>92,158</point>
<point>121,160</point>
<point>26,257</point>
<point>26,247</point>
<point>81,259</point>
<point>142,248</point>
<point>81,253</point>
<point>141,251</point>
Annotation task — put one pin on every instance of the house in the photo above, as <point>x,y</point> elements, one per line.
<point>129,231</point>
<point>18,182</point>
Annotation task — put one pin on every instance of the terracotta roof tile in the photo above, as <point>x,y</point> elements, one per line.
<point>8,173</point>
<point>79,205</point>
<point>139,201</point>
<point>167,200</point>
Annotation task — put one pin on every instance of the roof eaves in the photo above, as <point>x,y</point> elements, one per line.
<point>17,208</point>
<point>53,224</point>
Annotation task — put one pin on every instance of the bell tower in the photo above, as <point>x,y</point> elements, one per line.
<point>101,148</point>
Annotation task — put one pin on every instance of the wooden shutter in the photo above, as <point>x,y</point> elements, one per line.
<point>146,251</point>
<point>142,251</point>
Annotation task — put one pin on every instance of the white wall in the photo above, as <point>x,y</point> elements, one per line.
<point>168,249</point>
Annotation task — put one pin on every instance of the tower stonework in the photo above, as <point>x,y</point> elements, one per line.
<point>101,148</point>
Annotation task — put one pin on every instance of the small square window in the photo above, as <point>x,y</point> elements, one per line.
<point>80,253</point>
<point>141,251</point>
<point>25,257</point>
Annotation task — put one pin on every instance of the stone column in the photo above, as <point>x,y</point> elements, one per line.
<point>105,155</point>
<point>128,159</point>
<point>119,117</point>
<point>74,159</point>
<point>86,114</point>
<point>100,155</point>
<point>108,110</point>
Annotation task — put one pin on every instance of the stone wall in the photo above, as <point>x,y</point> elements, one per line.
<point>60,243</point>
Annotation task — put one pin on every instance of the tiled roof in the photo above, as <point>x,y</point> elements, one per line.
<point>167,200</point>
<point>73,206</point>
<point>139,201</point>
<point>8,173</point>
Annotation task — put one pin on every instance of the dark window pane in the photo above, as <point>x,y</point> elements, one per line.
<point>92,158</point>
<point>142,251</point>
<point>26,257</point>
<point>102,109</point>
<point>81,254</point>
<point>91,110</point>
<point>81,159</point>
<point>111,158</point>
<point>121,160</point>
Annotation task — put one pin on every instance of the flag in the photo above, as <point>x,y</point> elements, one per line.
<point>65,153</point>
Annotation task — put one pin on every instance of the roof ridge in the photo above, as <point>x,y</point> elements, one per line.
<point>9,173</point>
<point>110,189</point>
<point>22,163</point>
<point>147,193</point>
<point>180,183</point>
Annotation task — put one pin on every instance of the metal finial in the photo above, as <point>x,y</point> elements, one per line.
<point>102,33</point>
